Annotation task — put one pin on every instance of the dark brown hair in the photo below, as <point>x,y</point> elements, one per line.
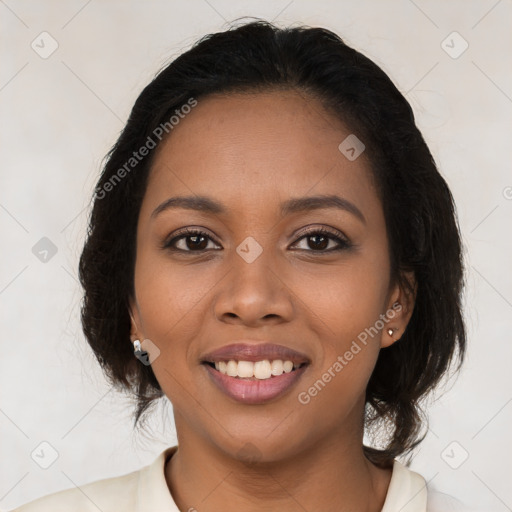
<point>421,223</point>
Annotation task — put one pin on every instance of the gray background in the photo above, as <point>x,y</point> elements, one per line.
<point>62,112</point>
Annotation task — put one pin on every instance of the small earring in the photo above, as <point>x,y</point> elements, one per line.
<point>138,352</point>
<point>391,330</point>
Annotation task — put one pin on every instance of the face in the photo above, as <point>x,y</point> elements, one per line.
<point>252,268</point>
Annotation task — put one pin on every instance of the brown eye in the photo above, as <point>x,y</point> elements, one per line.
<point>322,241</point>
<point>318,242</point>
<point>191,241</point>
<point>196,242</point>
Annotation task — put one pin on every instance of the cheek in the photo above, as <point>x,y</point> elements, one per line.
<point>347,303</point>
<point>347,298</point>
<point>346,308</point>
<point>172,290</point>
<point>171,304</point>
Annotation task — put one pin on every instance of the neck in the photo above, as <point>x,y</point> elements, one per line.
<point>332,475</point>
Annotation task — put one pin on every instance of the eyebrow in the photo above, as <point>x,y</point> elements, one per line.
<point>200,203</point>
<point>295,205</point>
<point>309,203</point>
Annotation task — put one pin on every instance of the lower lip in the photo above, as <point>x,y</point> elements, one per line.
<point>255,391</point>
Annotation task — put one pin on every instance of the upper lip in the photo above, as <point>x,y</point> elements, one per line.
<point>259,351</point>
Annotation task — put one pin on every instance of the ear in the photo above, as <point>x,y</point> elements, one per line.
<point>399,309</point>
<point>135,321</point>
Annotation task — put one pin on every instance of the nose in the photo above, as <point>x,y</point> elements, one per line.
<point>254,294</point>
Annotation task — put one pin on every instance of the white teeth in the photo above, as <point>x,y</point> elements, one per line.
<point>261,370</point>
<point>277,367</point>
<point>245,369</point>
<point>232,368</point>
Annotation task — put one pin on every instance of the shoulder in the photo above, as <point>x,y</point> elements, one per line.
<point>107,495</point>
<point>112,494</point>
<point>440,502</point>
<point>408,492</point>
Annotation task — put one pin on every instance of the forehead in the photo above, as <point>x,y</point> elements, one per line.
<point>245,146</point>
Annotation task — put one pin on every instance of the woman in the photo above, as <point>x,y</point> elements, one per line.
<point>272,241</point>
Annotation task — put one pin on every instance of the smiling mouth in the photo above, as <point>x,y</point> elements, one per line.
<point>254,382</point>
<point>255,370</point>
<point>255,373</point>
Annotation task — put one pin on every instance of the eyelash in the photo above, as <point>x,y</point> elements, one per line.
<point>342,241</point>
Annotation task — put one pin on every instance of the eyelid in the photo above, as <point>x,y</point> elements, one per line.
<point>311,229</point>
<point>342,240</point>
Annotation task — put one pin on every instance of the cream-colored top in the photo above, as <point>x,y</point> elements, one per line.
<point>146,490</point>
